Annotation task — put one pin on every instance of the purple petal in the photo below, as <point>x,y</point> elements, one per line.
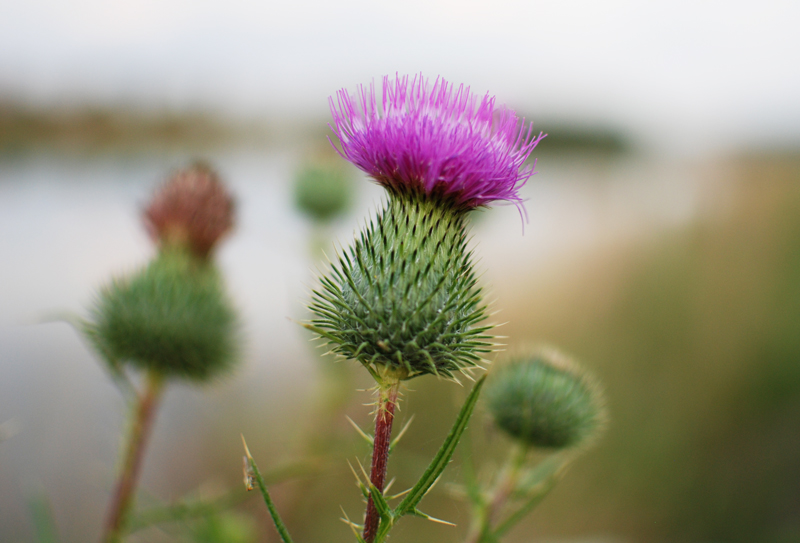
<point>437,139</point>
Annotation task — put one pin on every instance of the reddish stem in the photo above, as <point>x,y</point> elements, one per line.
<point>126,484</point>
<point>380,455</point>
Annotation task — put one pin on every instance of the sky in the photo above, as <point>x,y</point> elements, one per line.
<point>687,76</point>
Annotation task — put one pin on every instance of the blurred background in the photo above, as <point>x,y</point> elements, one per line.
<point>662,250</point>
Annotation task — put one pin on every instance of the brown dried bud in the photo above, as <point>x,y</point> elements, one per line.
<point>192,210</point>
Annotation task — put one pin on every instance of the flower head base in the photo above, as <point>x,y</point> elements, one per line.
<point>192,210</point>
<point>437,139</point>
<point>404,298</point>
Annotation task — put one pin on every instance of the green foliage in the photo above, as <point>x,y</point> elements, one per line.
<point>322,192</point>
<point>412,497</point>
<point>183,511</point>
<point>227,527</point>
<point>544,401</point>
<point>254,478</point>
<point>43,523</point>
<point>533,487</point>
<point>444,454</point>
<point>172,317</point>
<point>405,295</point>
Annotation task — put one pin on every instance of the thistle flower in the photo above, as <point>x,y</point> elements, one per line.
<point>192,210</point>
<point>171,319</point>
<point>435,139</point>
<point>545,400</point>
<point>404,298</point>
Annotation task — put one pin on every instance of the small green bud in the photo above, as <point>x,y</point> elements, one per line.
<point>404,297</point>
<point>172,317</point>
<point>323,192</point>
<point>544,400</point>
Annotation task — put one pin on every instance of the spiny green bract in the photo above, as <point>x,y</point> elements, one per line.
<point>172,317</point>
<point>544,400</point>
<point>405,295</point>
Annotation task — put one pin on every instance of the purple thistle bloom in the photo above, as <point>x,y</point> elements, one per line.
<point>438,139</point>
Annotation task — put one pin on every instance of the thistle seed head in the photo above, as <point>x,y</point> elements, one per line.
<point>544,400</point>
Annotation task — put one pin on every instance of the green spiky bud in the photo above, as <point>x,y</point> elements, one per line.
<point>543,399</point>
<point>404,298</point>
<point>323,192</point>
<point>171,317</point>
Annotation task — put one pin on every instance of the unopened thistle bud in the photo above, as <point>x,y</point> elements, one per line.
<point>545,400</point>
<point>323,192</point>
<point>192,210</point>
<point>172,317</point>
<point>404,297</point>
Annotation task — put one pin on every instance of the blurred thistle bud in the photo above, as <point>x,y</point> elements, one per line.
<point>191,210</point>
<point>172,318</point>
<point>404,300</point>
<point>323,192</point>
<point>545,400</point>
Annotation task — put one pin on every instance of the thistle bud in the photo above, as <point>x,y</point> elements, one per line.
<point>172,317</point>
<point>192,210</point>
<point>323,192</point>
<point>544,400</point>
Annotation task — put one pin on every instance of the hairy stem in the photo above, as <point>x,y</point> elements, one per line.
<point>384,417</point>
<point>145,409</point>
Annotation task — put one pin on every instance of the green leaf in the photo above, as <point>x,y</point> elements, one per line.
<point>380,503</point>
<point>442,458</point>
<point>361,485</point>
<point>253,472</point>
<point>418,513</point>
<point>353,526</point>
<point>194,507</point>
<point>368,438</point>
<point>183,511</point>
<point>43,523</point>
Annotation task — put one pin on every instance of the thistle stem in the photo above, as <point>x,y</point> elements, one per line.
<point>384,417</point>
<point>490,509</point>
<point>143,415</point>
